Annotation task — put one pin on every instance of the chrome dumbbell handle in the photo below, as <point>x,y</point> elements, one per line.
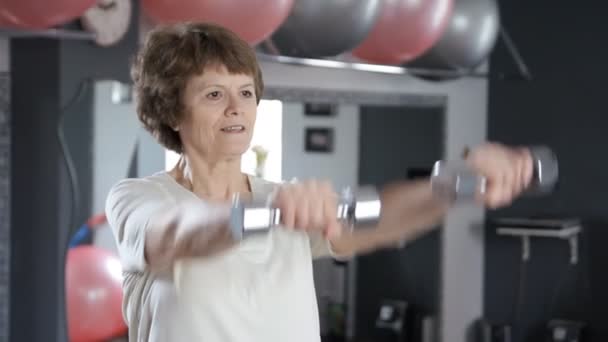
<point>355,208</point>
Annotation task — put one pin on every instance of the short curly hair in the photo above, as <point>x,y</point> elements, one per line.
<point>171,55</point>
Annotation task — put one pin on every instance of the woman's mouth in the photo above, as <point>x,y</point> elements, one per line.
<point>234,129</point>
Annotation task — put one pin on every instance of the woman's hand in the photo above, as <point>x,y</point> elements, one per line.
<point>508,172</point>
<point>309,206</point>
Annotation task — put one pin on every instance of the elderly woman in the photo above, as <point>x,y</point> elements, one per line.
<point>186,279</point>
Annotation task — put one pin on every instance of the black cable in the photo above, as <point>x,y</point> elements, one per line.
<point>557,290</point>
<point>582,275</point>
<point>518,304</point>
<point>522,67</point>
<point>69,162</point>
<point>585,273</point>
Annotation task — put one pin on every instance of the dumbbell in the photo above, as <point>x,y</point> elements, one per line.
<point>451,181</point>
<point>454,181</point>
<point>355,208</point>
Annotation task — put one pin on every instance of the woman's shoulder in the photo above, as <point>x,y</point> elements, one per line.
<point>155,184</point>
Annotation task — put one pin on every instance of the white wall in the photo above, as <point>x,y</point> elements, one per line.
<point>466,116</point>
<point>340,166</point>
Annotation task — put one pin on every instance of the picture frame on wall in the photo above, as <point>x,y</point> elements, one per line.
<point>319,139</point>
<point>320,109</point>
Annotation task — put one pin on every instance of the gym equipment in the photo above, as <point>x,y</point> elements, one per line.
<point>86,230</point>
<point>313,29</point>
<point>562,330</point>
<point>451,181</point>
<point>252,20</point>
<point>405,30</point>
<point>360,208</point>
<point>34,14</point>
<point>93,279</point>
<point>6,21</point>
<point>454,181</point>
<point>392,319</point>
<point>526,229</point>
<point>468,39</point>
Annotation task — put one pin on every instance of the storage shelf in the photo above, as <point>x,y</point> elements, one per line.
<point>568,230</point>
<point>563,233</point>
<point>49,33</point>
<point>341,63</point>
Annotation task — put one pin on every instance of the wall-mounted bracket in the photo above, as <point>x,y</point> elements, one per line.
<point>565,230</point>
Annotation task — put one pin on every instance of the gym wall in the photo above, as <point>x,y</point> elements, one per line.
<point>563,106</point>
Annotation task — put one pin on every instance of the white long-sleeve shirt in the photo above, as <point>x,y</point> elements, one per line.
<point>260,290</point>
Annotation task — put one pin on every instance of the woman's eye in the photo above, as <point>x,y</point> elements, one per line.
<point>247,93</point>
<point>214,95</point>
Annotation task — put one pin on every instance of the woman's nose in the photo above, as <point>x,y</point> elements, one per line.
<point>234,106</point>
<point>232,111</point>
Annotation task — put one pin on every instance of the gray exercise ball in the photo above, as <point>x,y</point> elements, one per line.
<point>468,39</point>
<point>323,28</point>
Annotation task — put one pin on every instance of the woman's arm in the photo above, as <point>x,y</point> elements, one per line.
<point>409,210</point>
<point>152,231</point>
<point>192,230</point>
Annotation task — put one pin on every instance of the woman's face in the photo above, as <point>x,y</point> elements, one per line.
<point>220,113</point>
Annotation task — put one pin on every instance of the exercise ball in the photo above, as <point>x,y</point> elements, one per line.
<point>468,39</point>
<point>6,20</point>
<point>252,20</point>
<point>321,28</point>
<point>405,30</point>
<point>93,278</point>
<point>35,14</point>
